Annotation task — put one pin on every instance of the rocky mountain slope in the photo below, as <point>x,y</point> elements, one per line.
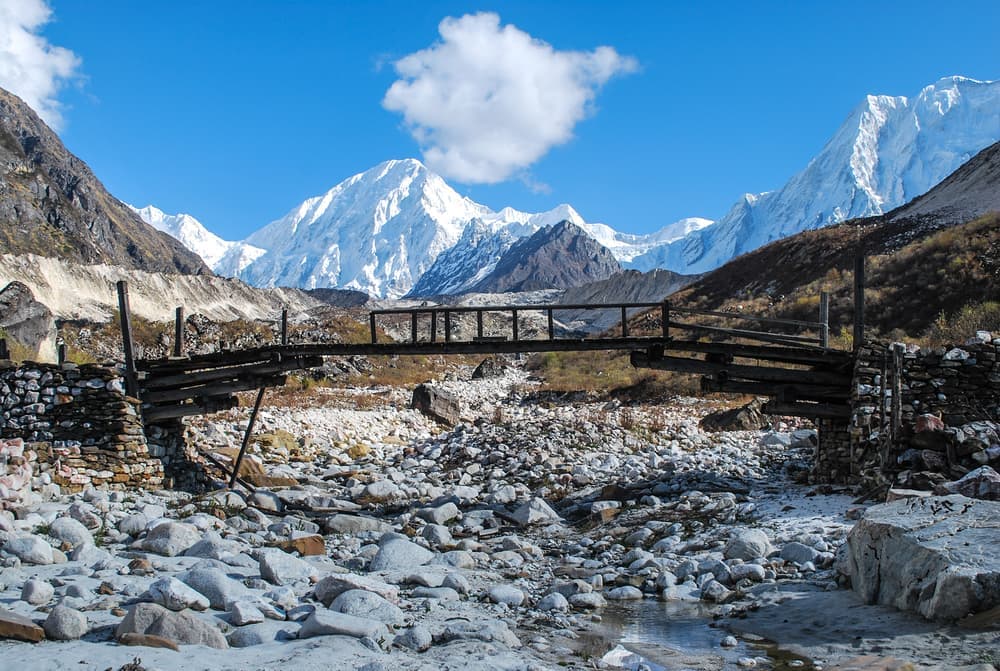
<point>52,204</point>
<point>921,264</point>
<point>555,257</point>
<point>223,256</point>
<point>87,292</point>
<point>890,150</point>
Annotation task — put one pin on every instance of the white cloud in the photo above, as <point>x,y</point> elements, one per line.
<point>488,100</point>
<point>30,67</point>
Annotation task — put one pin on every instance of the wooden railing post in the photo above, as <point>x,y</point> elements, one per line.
<point>371,324</point>
<point>4,352</point>
<point>479,324</point>
<point>859,300</point>
<point>434,325</point>
<point>284,326</point>
<point>624,322</point>
<point>552,326</point>
<point>413,326</point>
<point>61,353</point>
<point>179,331</point>
<point>447,326</point>
<point>514,311</point>
<point>824,319</point>
<point>665,318</point>
<point>125,319</point>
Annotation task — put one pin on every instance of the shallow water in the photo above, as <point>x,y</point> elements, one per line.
<point>663,634</point>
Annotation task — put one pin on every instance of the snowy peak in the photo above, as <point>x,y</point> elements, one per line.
<point>222,256</point>
<point>377,231</point>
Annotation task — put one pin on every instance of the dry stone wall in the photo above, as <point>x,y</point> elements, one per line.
<point>948,407</point>
<point>78,420</point>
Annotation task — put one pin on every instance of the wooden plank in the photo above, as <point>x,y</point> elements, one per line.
<point>808,410</point>
<point>371,324</point>
<point>757,373</point>
<point>189,379</point>
<point>809,356</point>
<point>246,436</point>
<point>284,327</point>
<point>160,413</point>
<point>217,389</point>
<point>755,318</point>
<point>783,392</point>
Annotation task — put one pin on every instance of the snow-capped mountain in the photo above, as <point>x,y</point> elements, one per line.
<point>888,151</point>
<point>376,232</point>
<point>222,256</point>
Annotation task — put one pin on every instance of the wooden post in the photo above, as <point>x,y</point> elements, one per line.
<point>4,352</point>
<point>665,319</point>
<point>552,327</point>
<point>125,319</point>
<point>447,326</point>
<point>897,390</point>
<point>413,326</point>
<point>61,353</point>
<point>624,323</point>
<point>434,325</point>
<point>179,332</point>
<point>371,324</point>
<point>479,324</point>
<point>859,300</point>
<point>246,436</point>
<point>824,319</point>
<point>284,326</point>
<point>515,324</point>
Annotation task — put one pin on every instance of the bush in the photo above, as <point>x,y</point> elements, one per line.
<point>962,325</point>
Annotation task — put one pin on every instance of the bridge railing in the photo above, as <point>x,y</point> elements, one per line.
<point>433,316</point>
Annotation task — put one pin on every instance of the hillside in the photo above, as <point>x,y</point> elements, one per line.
<point>51,204</point>
<point>921,264</point>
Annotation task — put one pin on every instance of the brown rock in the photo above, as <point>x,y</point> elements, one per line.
<point>148,640</point>
<point>306,545</point>
<point>19,628</point>
<point>140,566</point>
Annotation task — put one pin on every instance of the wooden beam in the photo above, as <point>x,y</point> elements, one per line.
<point>798,341</point>
<point>190,379</point>
<point>859,300</point>
<point>757,373</point>
<point>806,356</point>
<point>824,319</point>
<point>782,392</point>
<point>246,436</point>
<point>217,389</point>
<point>206,406</point>
<point>808,410</point>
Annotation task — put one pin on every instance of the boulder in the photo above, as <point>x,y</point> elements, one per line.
<point>19,628</point>
<point>747,544</point>
<point>506,594</point>
<point>745,418</point>
<point>354,524</point>
<point>37,592</point>
<point>933,555</point>
<point>280,568</point>
<point>536,511</point>
<point>489,367</point>
<point>363,603</point>
<point>798,553</point>
<point>171,538</point>
<point>27,321</point>
<point>172,594</point>
<point>307,546</point>
<point>220,589</point>
<point>439,514</point>
<point>182,627</point>
<point>147,640</point>
<point>70,531</point>
<point>439,405</point>
<point>328,622</point>
<point>65,624</point>
<point>30,550</point>
<point>416,638</point>
<point>395,553</point>
<point>332,586</point>
<point>981,483</point>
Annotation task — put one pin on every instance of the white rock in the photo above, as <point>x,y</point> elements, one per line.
<point>398,554</point>
<point>70,531</point>
<point>280,568</point>
<point>171,593</point>
<point>171,538</point>
<point>244,612</point>
<point>31,550</point>
<point>506,594</point>
<point>362,603</point>
<point>37,592</point>
<point>65,624</point>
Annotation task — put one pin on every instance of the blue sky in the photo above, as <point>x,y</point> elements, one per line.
<point>235,111</point>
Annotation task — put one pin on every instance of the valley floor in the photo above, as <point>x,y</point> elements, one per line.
<point>539,533</point>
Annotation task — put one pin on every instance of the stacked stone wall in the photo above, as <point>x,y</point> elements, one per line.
<point>960,385</point>
<point>79,421</point>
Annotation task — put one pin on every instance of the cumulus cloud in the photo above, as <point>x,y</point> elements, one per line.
<point>30,67</point>
<point>486,101</point>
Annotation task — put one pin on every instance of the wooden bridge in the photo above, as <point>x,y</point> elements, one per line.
<point>801,374</point>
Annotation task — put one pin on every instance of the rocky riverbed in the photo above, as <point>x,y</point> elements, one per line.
<point>521,538</point>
